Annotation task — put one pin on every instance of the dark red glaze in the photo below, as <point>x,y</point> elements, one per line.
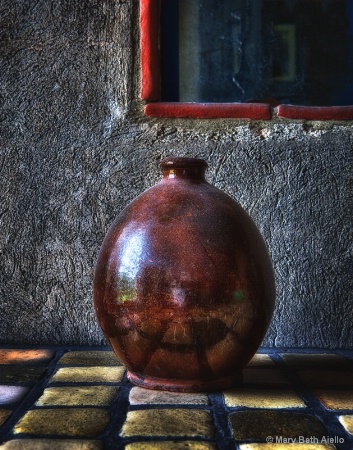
<point>184,288</point>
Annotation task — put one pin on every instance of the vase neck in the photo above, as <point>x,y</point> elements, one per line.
<point>189,168</point>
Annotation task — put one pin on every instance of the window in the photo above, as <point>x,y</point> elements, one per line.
<point>243,58</point>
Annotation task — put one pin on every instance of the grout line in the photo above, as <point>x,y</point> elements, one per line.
<point>220,413</point>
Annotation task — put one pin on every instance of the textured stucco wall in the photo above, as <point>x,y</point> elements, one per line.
<point>75,148</point>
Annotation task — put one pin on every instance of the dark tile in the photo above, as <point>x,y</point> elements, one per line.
<point>326,378</point>
<point>258,425</point>
<point>254,376</point>
<point>4,415</point>
<point>20,374</point>
<point>324,361</point>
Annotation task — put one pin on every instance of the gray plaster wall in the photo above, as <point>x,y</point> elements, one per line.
<point>75,148</point>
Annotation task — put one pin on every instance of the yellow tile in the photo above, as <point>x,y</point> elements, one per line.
<point>261,360</point>
<point>287,447</point>
<point>263,398</point>
<point>140,396</point>
<point>171,445</point>
<point>64,421</point>
<point>263,377</point>
<point>78,396</point>
<point>89,374</point>
<point>13,356</point>
<point>347,422</point>
<point>326,378</point>
<point>336,399</point>
<point>51,444</point>
<point>90,358</point>
<point>4,415</point>
<point>168,422</point>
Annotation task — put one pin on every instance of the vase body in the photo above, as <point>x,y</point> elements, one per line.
<point>184,287</point>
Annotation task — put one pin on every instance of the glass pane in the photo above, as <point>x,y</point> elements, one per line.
<point>282,51</point>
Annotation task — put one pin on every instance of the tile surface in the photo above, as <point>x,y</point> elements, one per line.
<point>316,361</point>
<point>11,394</point>
<point>88,374</point>
<point>15,356</point>
<point>51,444</point>
<point>75,422</point>
<point>261,360</point>
<point>90,358</point>
<point>171,445</point>
<point>78,396</point>
<point>20,374</point>
<point>140,396</point>
<point>263,398</point>
<point>326,378</point>
<point>80,399</point>
<point>253,376</point>
<point>347,422</point>
<point>168,422</point>
<point>254,425</point>
<point>336,399</point>
<point>287,447</point>
<point>4,415</point>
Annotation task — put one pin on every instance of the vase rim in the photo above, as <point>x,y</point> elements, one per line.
<point>182,162</point>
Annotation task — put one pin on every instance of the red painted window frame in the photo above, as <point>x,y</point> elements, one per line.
<point>150,87</point>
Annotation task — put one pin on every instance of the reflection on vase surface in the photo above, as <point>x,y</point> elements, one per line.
<point>184,288</point>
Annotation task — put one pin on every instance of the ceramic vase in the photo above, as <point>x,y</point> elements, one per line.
<point>184,287</point>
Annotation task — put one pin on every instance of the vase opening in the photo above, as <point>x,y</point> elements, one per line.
<point>183,167</point>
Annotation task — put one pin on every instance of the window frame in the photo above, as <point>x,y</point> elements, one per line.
<point>151,81</point>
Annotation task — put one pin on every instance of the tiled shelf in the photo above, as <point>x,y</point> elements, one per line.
<point>79,398</point>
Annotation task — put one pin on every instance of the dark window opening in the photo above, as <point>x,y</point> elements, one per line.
<point>297,52</point>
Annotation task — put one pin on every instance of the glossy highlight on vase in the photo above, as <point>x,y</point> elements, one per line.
<point>184,287</point>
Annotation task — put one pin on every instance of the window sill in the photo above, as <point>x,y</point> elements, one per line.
<point>255,111</point>
<point>252,111</point>
<point>315,112</point>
